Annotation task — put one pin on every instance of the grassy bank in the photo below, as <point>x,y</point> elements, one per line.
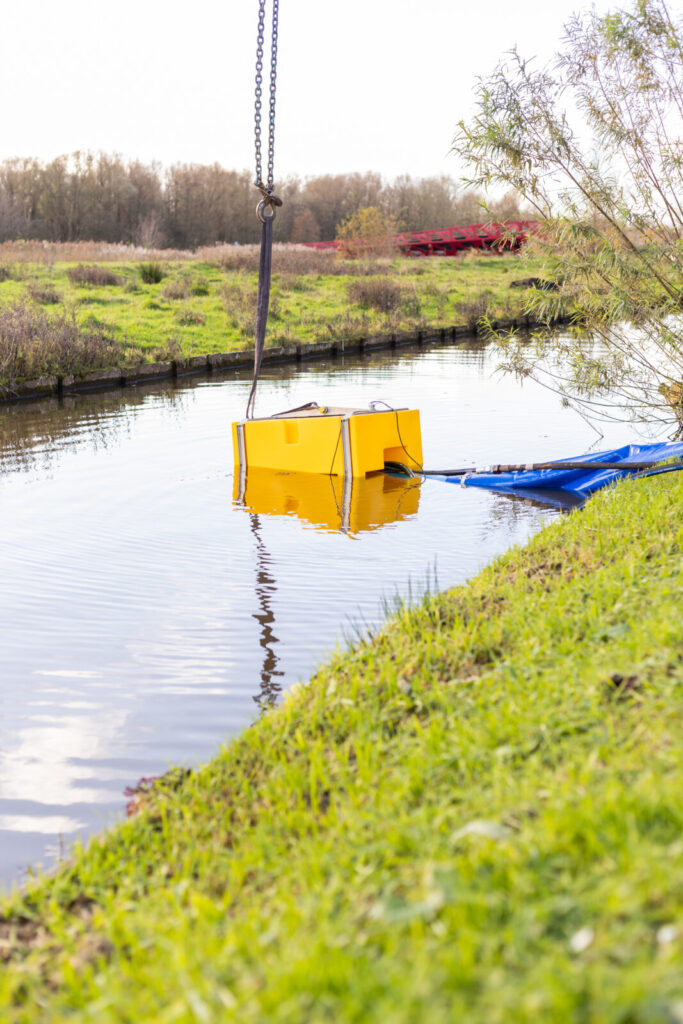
<point>476,815</point>
<point>123,312</point>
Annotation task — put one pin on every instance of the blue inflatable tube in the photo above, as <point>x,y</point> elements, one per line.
<point>580,482</point>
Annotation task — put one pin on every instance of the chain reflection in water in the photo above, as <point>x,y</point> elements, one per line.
<point>266,587</point>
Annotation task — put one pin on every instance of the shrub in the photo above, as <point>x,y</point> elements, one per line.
<point>367,231</point>
<point>46,295</point>
<point>295,283</point>
<point>239,301</point>
<point>239,295</point>
<point>474,309</point>
<point>200,288</point>
<point>380,293</point>
<point>33,343</point>
<point>170,349</point>
<point>347,325</point>
<point>5,273</point>
<point>93,274</point>
<point>176,289</point>
<point>189,318</point>
<point>151,272</point>
<point>415,268</point>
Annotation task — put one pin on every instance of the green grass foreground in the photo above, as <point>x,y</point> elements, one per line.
<point>475,816</point>
<point>204,305</point>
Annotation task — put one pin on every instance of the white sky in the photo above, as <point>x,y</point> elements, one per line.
<point>363,84</point>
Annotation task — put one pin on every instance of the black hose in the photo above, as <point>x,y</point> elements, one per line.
<point>397,467</point>
<point>642,469</point>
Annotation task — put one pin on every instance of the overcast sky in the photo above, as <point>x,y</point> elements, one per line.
<point>363,84</point>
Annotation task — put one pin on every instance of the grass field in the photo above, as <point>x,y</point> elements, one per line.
<point>206,303</point>
<point>475,815</point>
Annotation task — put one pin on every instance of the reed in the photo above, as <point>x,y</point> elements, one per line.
<point>35,344</point>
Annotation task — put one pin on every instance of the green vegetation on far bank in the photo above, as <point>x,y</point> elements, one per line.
<point>70,317</point>
<point>474,815</point>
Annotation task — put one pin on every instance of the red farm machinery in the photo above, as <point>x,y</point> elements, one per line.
<point>445,242</point>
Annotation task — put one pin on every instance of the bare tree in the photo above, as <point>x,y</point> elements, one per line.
<point>13,222</point>
<point>593,143</point>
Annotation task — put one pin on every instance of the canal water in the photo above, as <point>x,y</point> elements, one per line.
<point>147,616</point>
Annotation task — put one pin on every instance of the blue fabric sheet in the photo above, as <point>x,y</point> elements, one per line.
<point>580,482</point>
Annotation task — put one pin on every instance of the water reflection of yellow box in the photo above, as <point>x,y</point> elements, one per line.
<point>349,505</point>
<point>333,441</point>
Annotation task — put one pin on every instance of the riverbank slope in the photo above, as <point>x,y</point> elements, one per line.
<point>475,814</point>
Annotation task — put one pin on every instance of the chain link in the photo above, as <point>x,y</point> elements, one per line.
<point>270,181</point>
<point>271,112</point>
<point>259,84</point>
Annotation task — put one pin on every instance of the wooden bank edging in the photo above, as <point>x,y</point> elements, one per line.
<point>100,380</point>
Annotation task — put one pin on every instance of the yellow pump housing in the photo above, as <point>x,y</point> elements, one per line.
<point>328,440</point>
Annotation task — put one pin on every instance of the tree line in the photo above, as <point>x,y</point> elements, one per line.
<point>102,197</point>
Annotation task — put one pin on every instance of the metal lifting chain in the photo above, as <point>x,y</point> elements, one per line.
<point>265,211</point>
<point>266,188</point>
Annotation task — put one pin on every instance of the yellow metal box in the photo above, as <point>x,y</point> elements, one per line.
<point>333,441</point>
